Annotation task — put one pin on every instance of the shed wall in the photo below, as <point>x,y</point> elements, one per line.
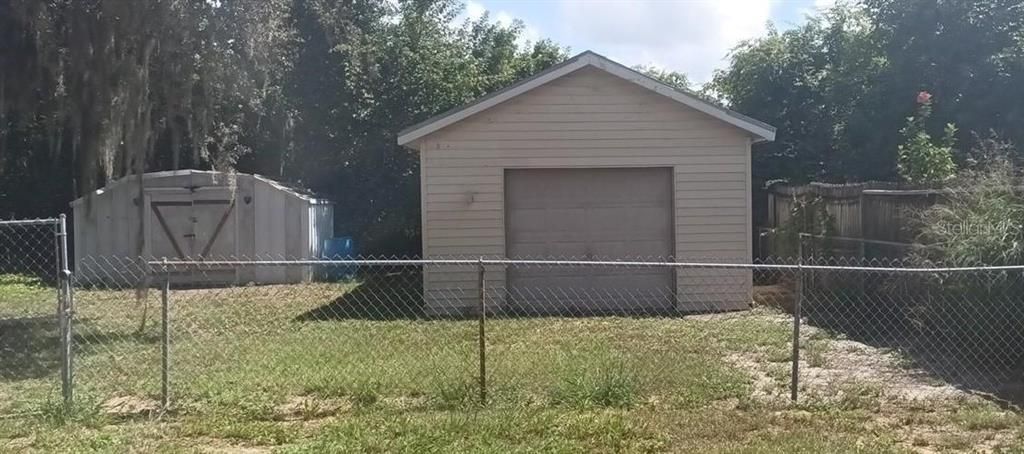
<point>588,119</point>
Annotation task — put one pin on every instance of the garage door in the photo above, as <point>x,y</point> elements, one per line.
<point>607,213</point>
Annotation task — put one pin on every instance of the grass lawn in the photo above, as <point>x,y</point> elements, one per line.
<point>249,374</point>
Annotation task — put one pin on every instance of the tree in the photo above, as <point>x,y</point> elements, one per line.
<point>99,90</point>
<point>671,78</point>
<point>835,87</point>
<point>368,69</point>
<point>811,82</point>
<point>968,53</point>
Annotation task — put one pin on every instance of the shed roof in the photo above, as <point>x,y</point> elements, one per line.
<point>760,130</point>
<point>297,191</point>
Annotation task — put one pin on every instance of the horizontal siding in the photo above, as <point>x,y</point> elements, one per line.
<point>556,158</point>
<point>686,221</point>
<point>590,135</point>
<point>700,164</point>
<point>463,188</point>
<point>535,126</point>
<point>587,119</point>
<point>707,137</point>
<point>467,197</point>
<point>706,148</point>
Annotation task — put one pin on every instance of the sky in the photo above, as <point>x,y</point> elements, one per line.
<point>689,36</point>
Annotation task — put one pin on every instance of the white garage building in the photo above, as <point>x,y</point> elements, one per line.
<point>200,215</point>
<point>589,160</point>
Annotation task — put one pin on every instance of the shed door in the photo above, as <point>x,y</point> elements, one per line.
<point>193,224</point>
<point>589,214</point>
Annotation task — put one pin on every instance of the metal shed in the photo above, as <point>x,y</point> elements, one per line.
<point>590,160</point>
<point>201,215</point>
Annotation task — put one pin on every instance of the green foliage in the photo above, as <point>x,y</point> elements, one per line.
<point>836,86</point>
<point>671,78</point>
<point>808,216</point>
<point>315,92</point>
<point>922,162</point>
<point>366,394</point>
<point>606,385</point>
<point>365,71</point>
<point>98,90</point>
<point>451,393</point>
<point>16,286</point>
<point>81,411</point>
<point>980,220</point>
<point>812,83</point>
<point>309,91</point>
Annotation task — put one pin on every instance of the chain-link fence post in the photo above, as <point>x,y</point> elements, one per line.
<point>165,343</point>
<point>65,311</point>
<point>797,303</point>
<point>481,284</point>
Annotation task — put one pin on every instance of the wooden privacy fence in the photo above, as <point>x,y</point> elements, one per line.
<point>877,212</point>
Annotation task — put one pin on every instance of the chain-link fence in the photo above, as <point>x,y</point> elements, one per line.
<point>281,338</point>
<point>33,315</point>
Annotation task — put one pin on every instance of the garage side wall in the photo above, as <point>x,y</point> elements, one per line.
<point>588,119</point>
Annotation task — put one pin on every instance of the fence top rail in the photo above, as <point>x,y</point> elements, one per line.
<point>201,264</point>
<point>25,222</point>
<point>857,240</point>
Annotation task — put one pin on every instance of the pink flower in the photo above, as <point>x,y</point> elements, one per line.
<point>924,97</point>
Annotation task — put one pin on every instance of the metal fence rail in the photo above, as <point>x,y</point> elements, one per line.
<point>261,334</point>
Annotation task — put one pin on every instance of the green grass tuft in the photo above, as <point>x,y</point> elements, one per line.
<point>610,385</point>
<point>80,412</point>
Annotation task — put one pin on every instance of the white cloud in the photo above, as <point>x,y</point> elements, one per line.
<point>818,7</point>
<point>692,36</point>
<point>529,33</point>
<point>475,10</point>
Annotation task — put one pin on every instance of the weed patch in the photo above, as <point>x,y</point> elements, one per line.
<point>610,385</point>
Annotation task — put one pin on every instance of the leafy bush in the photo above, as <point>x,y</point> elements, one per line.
<point>920,160</point>
<point>979,222</point>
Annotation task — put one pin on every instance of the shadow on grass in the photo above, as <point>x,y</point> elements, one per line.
<point>979,353</point>
<point>399,296</point>
<point>392,296</point>
<point>30,346</point>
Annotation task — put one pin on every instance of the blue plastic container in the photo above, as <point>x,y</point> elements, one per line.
<point>339,248</point>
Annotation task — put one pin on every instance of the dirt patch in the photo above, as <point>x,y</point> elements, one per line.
<point>309,407</point>
<point>236,450</point>
<point>779,296</point>
<point>848,363</point>
<point>129,406</point>
<point>839,367</point>
<point>216,446</point>
<point>927,440</point>
<point>405,402</point>
<point>765,386</point>
<point>19,444</point>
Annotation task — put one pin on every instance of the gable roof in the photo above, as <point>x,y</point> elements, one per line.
<point>760,130</point>
<point>295,190</point>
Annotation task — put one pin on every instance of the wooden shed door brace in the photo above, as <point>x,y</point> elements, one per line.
<point>155,206</point>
